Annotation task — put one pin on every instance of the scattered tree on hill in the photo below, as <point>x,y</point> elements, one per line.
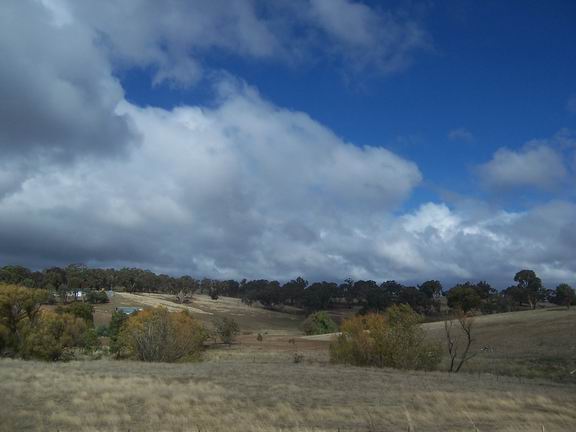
<point>516,296</point>
<point>226,329</point>
<point>564,295</point>
<point>464,296</point>
<point>530,286</point>
<point>484,290</point>
<point>459,344</point>
<point>433,291</point>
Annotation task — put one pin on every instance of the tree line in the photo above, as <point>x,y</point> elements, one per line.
<point>426,298</point>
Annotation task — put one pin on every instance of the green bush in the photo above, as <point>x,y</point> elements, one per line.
<point>392,340</point>
<point>97,297</point>
<point>84,311</point>
<point>116,323</point>
<point>102,331</point>
<point>90,340</point>
<point>19,308</point>
<point>226,329</point>
<point>319,323</point>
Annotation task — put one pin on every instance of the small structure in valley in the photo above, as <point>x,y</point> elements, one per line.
<point>128,310</point>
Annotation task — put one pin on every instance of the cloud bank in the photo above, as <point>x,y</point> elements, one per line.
<point>242,187</point>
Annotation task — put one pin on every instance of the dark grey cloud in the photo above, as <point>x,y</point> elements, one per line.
<point>57,93</point>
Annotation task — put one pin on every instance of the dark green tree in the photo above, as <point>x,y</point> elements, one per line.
<point>531,286</point>
<point>564,295</point>
<point>433,290</point>
<point>293,291</point>
<point>464,296</point>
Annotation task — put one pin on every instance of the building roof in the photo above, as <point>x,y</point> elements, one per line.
<point>128,310</point>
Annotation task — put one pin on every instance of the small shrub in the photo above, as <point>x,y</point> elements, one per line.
<point>226,329</point>
<point>298,358</point>
<point>319,323</point>
<point>102,331</point>
<point>158,335</point>
<point>392,340</point>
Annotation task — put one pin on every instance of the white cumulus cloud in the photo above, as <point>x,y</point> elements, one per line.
<point>537,165</point>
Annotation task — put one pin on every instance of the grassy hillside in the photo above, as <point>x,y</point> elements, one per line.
<point>271,395</point>
<point>256,386</point>
<point>250,318</point>
<point>533,344</point>
<point>539,343</point>
<point>530,344</point>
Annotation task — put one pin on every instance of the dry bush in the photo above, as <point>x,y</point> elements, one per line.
<point>183,297</point>
<point>52,335</point>
<point>459,345</point>
<point>391,340</point>
<point>159,335</point>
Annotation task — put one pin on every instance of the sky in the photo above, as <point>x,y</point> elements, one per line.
<point>404,139</point>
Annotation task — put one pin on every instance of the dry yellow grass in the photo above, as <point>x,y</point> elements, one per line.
<point>538,344</point>
<point>270,394</point>
<point>155,300</point>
